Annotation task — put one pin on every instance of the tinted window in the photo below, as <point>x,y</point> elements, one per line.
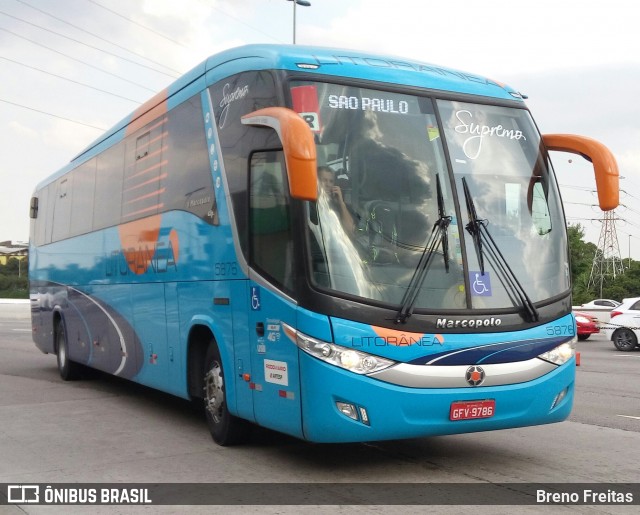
<point>270,218</point>
<point>232,98</point>
<point>84,183</point>
<point>108,187</point>
<point>62,209</point>
<point>51,204</point>
<point>187,183</point>
<point>144,170</point>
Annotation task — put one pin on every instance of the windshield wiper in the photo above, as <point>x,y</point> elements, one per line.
<point>481,235</point>
<point>439,233</point>
<point>473,227</point>
<point>444,221</point>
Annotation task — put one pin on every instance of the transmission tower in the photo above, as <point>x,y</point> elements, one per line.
<point>607,261</point>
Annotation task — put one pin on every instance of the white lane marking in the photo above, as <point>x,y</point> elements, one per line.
<point>22,330</point>
<point>629,416</point>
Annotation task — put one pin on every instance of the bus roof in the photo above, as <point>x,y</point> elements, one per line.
<point>310,60</point>
<point>353,64</point>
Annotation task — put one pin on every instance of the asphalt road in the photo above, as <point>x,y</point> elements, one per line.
<point>105,430</point>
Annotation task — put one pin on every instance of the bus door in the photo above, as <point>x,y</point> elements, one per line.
<point>274,360</point>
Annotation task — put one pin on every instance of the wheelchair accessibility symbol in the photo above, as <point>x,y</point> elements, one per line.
<point>480,284</point>
<point>255,298</point>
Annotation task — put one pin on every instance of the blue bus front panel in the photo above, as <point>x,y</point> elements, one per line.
<point>397,412</point>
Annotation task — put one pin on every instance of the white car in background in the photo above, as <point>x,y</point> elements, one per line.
<point>623,329</point>
<point>599,308</point>
<point>601,304</point>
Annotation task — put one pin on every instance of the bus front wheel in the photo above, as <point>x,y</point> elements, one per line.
<point>225,428</point>
<point>69,370</point>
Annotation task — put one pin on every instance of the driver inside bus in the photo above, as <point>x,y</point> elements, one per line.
<point>327,179</point>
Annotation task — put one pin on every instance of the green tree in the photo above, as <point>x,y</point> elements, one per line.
<point>581,254</point>
<point>13,280</point>
<point>624,285</point>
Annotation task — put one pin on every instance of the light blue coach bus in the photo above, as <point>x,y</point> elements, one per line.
<point>336,245</point>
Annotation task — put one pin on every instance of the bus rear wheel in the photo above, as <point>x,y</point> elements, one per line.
<point>225,428</point>
<point>69,370</point>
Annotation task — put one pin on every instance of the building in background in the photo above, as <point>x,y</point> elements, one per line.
<point>10,249</point>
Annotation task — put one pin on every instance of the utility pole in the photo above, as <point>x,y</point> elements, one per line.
<point>303,3</point>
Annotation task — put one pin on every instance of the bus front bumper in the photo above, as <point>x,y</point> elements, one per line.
<point>385,411</point>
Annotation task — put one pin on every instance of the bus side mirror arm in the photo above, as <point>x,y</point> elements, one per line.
<point>299,148</point>
<point>604,164</point>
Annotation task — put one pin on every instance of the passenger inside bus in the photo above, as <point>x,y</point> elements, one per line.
<point>327,179</point>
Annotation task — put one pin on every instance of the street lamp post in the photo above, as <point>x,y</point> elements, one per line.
<point>303,3</point>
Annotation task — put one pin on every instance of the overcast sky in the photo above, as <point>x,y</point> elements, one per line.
<point>71,68</point>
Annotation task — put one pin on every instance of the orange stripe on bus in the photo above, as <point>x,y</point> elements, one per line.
<point>149,111</point>
<point>149,156</point>
<point>150,181</point>
<point>153,193</point>
<point>160,122</point>
<point>147,170</point>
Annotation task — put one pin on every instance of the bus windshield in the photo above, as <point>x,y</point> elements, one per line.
<point>449,203</point>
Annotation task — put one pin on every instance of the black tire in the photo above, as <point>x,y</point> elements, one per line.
<point>624,339</point>
<point>583,337</point>
<point>225,428</point>
<point>69,370</point>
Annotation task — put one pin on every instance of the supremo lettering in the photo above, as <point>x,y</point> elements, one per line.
<point>228,97</point>
<point>158,259</point>
<point>383,105</point>
<point>478,132</point>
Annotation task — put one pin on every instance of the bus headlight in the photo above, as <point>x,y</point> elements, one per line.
<point>561,354</point>
<point>343,357</point>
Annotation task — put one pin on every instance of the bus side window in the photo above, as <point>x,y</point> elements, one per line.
<point>84,183</point>
<point>108,187</point>
<point>144,168</point>
<point>540,215</point>
<point>62,209</point>
<point>188,184</point>
<point>270,218</point>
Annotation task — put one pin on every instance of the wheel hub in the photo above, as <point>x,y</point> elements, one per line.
<point>214,394</point>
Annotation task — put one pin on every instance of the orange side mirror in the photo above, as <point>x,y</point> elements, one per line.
<point>604,164</point>
<point>299,148</point>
